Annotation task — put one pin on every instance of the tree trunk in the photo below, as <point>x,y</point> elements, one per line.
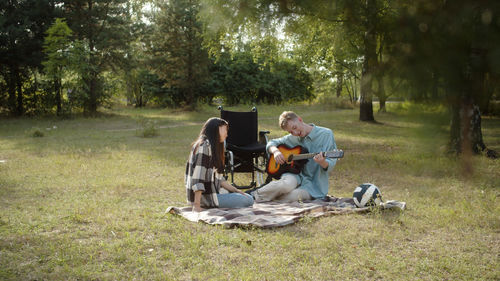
<point>190,98</point>
<point>91,107</point>
<point>12,91</point>
<point>465,123</point>
<point>465,129</point>
<point>477,142</point>
<point>139,101</point>
<point>489,90</point>
<point>355,90</point>
<point>20,101</point>
<point>92,82</point>
<point>366,91</point>
<point>382,107</point>
<point>57,88</point>
<point>369,62</point>
<point>382,97</point>
<point>36,97</point>
<point>455,129</point>
<point>340,82</point>
<point>93,95</point>
<point>351,90</point>
<point>90,104</point>
<point>351,98</point>
<point>434,85</point>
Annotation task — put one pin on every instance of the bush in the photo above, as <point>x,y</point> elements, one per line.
<point>494,108</point>
<point>36,133</point>
<point>148,129</point>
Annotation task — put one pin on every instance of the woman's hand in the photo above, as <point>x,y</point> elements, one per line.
<point>241,192</point>
<point>227,186</point>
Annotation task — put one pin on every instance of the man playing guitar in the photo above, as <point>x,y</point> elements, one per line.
<point>312,181</point>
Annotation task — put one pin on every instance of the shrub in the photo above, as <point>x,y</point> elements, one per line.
<point>494,108</point>
<point>37,133</point>
<point>148,129</point>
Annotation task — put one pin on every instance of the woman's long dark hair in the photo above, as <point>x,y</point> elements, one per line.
<point>210,132</point>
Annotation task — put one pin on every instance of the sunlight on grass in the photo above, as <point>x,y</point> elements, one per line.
<point>87,201</point>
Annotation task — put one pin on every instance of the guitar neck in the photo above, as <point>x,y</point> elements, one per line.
<point>328,154</point>
<point>302,156</point>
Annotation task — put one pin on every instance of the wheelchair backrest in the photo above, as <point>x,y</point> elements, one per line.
<point>243,127</point>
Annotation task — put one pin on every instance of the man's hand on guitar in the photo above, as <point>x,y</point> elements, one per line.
<point>284,159</point>
<point>321,160</point>
<point>279,157</point>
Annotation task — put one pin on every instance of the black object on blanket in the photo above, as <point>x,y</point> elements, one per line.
<point>275,214</point>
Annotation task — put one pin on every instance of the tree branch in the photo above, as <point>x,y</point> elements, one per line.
<point>347,67</point>
<point>286,11</point>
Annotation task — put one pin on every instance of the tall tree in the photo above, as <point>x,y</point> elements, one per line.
<point>102,28</point>
<point>328,49</point>
<point>178,56</point>
<point>57,47</point>
<point>359,18</point>
<point>22,27</point>
<point>455,45</point>
<point>135,74</point>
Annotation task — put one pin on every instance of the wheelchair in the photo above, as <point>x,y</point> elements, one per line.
<point>245,148</point>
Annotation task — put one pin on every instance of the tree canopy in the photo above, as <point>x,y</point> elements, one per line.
<point>73,56</point>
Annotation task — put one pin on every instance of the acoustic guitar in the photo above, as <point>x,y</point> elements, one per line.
<point>296,157</point>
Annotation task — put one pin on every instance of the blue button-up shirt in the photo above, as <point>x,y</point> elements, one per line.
<point>313,177</point>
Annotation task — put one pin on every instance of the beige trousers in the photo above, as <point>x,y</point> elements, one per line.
<point>282,190</point>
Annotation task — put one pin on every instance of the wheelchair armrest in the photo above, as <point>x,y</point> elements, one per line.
<point>263,136</point>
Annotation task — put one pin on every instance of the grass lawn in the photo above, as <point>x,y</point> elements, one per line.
<point>87,202</point>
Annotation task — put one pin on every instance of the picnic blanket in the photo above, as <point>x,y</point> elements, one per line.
<point>275,214</point>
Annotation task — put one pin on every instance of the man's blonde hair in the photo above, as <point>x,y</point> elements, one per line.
<point>287,116</point>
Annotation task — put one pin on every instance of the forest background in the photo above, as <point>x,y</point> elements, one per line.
<point>67,57</point>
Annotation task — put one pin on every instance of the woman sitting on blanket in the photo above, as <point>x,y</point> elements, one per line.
<point>204,167</point>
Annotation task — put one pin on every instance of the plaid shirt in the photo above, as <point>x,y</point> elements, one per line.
<point>201,176</point>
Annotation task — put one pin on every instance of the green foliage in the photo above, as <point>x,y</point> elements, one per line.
<point>240,79</point>
<point>22,28</point>
<point>56,47</point>
<point>494,108</point>
<point>148,128</point>
<point>102,29</point>
<point>183,52</point>
<point>431,50</point>
<point>36,133</point>
<point>178,57</point>
<point>142,86</point>
<point>323,48</point>
<point>58,50</point>
<point>442,47</point>
<point>333,36</point>
<point>448,53</point>
<point>291,83</point>
<point>137,80</point>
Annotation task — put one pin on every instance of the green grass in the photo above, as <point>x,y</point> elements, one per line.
<point>87,202</point>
